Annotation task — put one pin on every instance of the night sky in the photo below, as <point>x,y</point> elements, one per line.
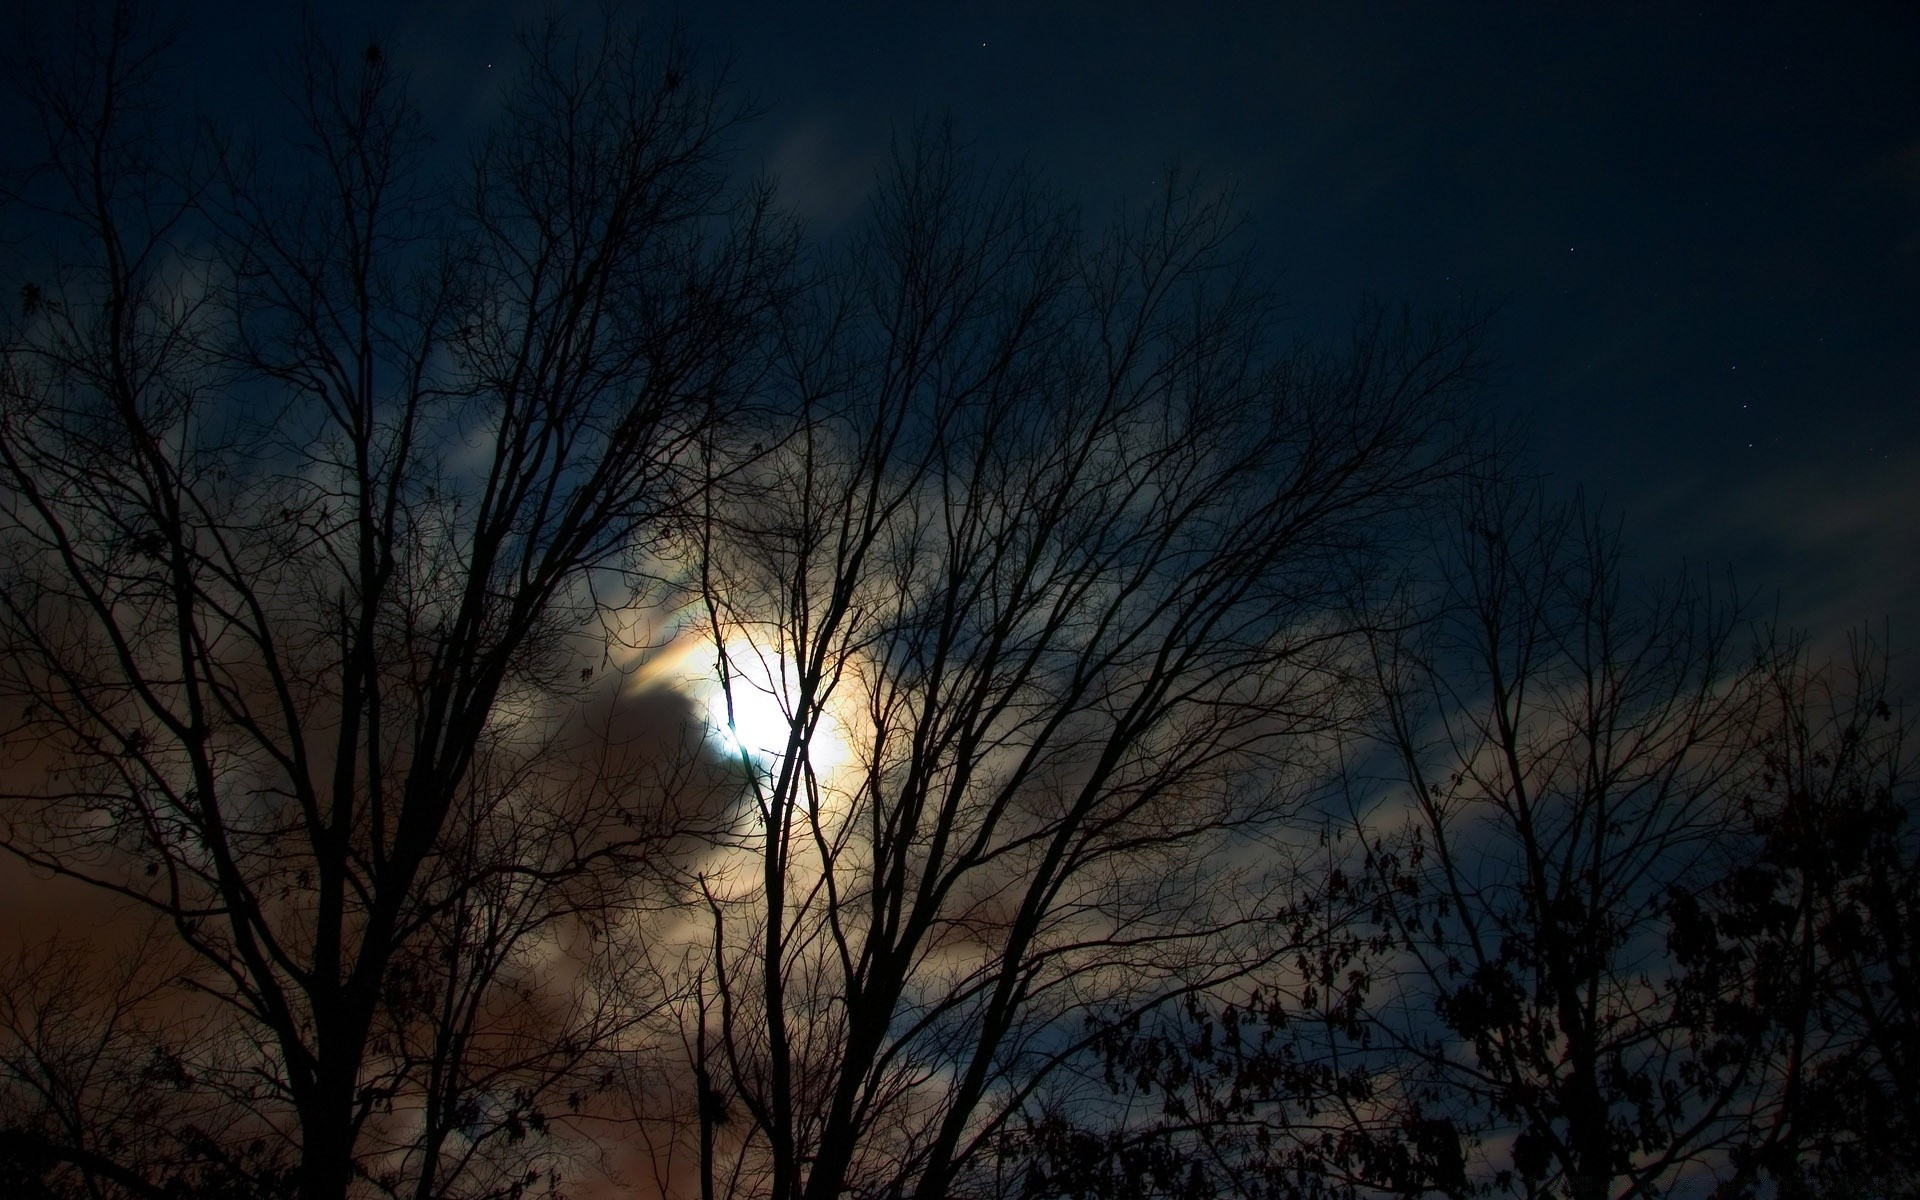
<point>1697,228</point>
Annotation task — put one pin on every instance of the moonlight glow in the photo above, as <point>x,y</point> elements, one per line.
<point>761,717</point>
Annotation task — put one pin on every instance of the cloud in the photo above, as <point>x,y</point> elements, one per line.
<point>1831,541</point>
<point>822,177</point>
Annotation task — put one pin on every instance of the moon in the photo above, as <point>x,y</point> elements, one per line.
<point>758,723</point>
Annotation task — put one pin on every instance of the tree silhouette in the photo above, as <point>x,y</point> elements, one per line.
<point>316,460</point>
<point>1801,955</point>
<point>1570,749</point>
<point>1060,612</point>
<point>1061,551</point>
<point>1636,916</point>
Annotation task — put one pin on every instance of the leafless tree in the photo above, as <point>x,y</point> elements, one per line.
<point>319,462</point>
<point>1570,748</point>
<point>1050,589</point>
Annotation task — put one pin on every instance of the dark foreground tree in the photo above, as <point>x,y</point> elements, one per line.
<point>1571,748</point>
<point>315,457</point>
<point>1031,564</point>
<point>1278,1089</point>
<point>1632,917</point>
<point>1802,956</point>
<point>1052,587</point>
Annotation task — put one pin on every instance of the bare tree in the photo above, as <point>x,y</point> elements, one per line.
<point>1569,749</point>
<point>317,461</point>
<point>1048,595</point>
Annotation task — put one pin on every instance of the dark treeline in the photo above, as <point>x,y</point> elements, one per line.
<point>530,672</point>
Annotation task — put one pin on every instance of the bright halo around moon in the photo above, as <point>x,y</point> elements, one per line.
<point>759,721</point>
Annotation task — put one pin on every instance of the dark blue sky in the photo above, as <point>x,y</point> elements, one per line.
<point>1698,226</point>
